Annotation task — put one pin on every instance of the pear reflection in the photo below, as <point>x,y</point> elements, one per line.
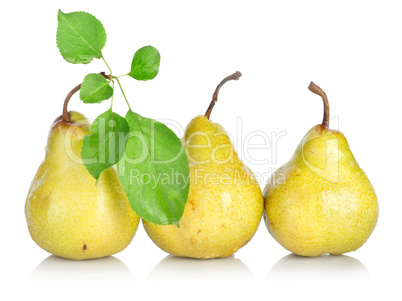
<point>173,268</point>
<point>318,268</point>
<point>107,269</point>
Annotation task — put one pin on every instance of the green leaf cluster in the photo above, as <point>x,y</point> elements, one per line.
<point>152,164</point>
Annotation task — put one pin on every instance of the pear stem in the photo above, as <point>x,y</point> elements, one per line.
<point>234,76</point>
<point>66,115</point>
<point>317,90</point>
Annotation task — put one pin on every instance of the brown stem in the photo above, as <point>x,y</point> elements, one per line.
<point>66,115</point>
<point>234,76</point>
<point>317,90</point>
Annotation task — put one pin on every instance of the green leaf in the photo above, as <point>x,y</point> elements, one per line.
<point>154,171</point>
<point>105,146</point>
<point>80,37</point>
<point>145,64</point>
<point>95,89</point>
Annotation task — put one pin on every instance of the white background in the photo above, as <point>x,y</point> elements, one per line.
<point>352,49</point>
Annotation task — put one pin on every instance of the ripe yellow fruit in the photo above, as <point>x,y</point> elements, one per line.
<point>321,201</point>
<point>67,214</point>
<point>225,203</point>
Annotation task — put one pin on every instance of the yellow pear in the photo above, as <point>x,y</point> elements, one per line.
<point>321,201</point>
<point>225,202</point>
<point>67,214</point>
